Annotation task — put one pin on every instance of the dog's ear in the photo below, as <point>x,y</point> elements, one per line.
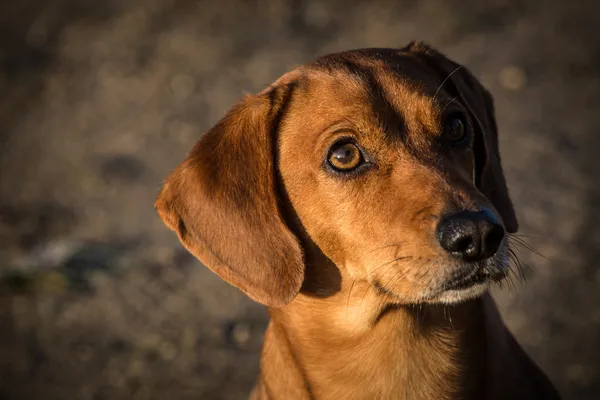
<point>222,202</point>
<point>489,176</point>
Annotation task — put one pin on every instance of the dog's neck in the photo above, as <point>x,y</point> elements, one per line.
<point>354,346</point>
<point>343,339</point>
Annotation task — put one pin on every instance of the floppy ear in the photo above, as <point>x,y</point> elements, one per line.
<point>222,202</point>
<point>489,176</point>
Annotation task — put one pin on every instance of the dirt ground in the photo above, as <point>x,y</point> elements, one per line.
<point>99,100</point>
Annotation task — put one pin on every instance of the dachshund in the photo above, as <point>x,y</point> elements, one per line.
<point>361,198</point>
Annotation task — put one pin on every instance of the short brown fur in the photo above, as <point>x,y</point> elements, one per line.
<point>348,265</point>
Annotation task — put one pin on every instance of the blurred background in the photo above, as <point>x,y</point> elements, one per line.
<point>99,100</point>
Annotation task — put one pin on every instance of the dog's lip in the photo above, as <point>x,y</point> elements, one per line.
<point>477,276</point>
<point>466,282</point>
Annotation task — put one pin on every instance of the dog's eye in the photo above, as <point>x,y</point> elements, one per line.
<point>455,131</point>
<point>345,156</point>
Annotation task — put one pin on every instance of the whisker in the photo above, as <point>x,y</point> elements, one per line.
<point>448,103</point>
<point>397,244</point>
<point>352,123</point>
<point>450,319</point>
<point>364,295</point>
<point>509,281</point>
<point>445,80</point>
<point>521,266</point>
<point>500,284</point>
<point>521,242</point>
<point>384,272</point>
<point>399,274</point>
<point>349,293</point>
<point>515,265</point>
<point>394,261</point>
<point>520,235</point>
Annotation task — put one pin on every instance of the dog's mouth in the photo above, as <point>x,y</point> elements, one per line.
<point>476,276</point>
<point>466,282</point>
<point>469,280</point>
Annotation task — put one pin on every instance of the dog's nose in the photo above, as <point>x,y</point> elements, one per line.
<point>471,235</point>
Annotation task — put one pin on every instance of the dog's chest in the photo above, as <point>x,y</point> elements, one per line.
<point>384,365</point>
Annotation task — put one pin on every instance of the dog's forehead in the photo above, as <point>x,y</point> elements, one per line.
<point>389,88</point>
<point>401,67</point>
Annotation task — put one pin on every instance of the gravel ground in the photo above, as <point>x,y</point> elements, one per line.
<point>99,100</point>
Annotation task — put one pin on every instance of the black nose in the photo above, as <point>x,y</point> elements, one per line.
<point>471,235</point>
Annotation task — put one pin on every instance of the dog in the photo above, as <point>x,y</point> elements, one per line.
<point>361,198</point>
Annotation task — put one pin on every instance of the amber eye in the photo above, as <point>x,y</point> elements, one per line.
<point>345,156</point>
<point>455,131</point>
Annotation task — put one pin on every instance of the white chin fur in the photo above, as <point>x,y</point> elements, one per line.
<point>458,296</point>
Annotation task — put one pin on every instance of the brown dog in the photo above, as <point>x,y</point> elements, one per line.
<point>361,198</point>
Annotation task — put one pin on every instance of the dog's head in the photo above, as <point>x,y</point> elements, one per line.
<point>388,161</point>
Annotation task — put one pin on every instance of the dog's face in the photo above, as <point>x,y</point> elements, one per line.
<point>388,161</point>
